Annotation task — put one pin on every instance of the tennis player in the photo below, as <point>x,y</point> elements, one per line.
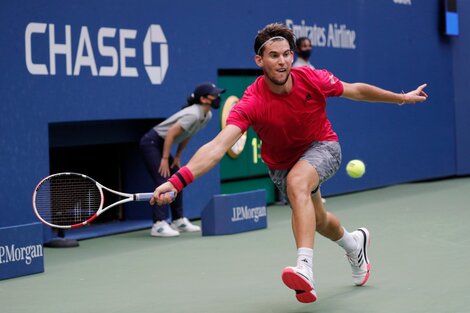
<point>155,147</point>
<point>287,109</point>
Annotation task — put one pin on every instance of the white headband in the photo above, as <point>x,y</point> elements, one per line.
<point>268,41</point>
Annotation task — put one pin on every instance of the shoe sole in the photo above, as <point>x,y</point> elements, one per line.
<point>303,290</point>
<point>366,235</point>
<point>305,296</point>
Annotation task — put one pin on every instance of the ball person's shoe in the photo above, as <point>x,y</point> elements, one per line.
<point>359,258</point>
<point>183,225</point>
<point>162,229</point>
<point>300,280</point>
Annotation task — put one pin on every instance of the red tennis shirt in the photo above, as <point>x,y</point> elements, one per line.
<point>288,124</point>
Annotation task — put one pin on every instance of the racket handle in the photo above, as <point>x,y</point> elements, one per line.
<point>146,196</point>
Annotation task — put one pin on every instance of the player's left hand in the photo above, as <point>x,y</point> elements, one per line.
<point>417,95</point>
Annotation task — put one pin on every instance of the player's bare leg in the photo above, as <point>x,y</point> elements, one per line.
<point>327,224</point>
<point>301,180</point>
<point>355,243</point>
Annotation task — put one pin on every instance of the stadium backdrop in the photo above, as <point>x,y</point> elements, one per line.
<point>82,80</point>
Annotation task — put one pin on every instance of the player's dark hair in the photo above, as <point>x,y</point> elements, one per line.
<point>270,31</point>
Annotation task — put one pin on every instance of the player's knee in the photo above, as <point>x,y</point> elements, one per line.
<point>296,188</point>
<point>301,181</point>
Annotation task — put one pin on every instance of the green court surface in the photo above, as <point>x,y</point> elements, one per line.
<point>419,253</point>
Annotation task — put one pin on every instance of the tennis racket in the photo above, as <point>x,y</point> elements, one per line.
<point>70,200</point>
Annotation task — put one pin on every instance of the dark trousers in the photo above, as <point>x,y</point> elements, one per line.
<point>151,147</point>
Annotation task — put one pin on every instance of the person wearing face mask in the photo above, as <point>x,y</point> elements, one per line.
<point>303,50</point>
<point>155,147</point>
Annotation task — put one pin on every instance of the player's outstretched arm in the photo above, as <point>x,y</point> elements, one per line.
<point>370,93</point>
<point>203,160</point>
<point>212,152</point>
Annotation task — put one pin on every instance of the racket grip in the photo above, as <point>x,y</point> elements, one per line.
<point>146,196</point>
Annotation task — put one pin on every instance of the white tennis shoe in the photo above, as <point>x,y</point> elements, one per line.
<point>162,229</point>
<point>184,225</point>
<point>358,258</point>
<point>300,279</point>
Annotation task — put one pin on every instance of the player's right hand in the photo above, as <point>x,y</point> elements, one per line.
<point>164,194</point>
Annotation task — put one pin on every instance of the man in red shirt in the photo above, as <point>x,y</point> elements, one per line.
<point>288,123</point>
<point>287,109</point>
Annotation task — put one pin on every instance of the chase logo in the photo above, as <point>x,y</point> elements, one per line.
<point>108,52</point>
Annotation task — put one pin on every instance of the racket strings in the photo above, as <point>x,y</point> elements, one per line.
<point>67,199</point>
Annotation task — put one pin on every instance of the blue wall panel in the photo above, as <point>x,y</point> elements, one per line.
<point>396,46</point>
<point>462,86</point>
<point>397,143</point>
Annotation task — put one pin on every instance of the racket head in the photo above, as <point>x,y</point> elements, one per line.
<point>67,200</point>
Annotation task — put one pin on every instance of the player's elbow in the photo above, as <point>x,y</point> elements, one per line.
<point>357,91</point>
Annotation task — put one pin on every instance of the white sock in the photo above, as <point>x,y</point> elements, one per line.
<point>347,242</point>
<point>305,257</point>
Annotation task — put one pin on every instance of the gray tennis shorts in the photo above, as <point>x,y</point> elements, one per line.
<point>324,156</point>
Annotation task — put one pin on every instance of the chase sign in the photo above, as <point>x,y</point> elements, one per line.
<point>94,51</point>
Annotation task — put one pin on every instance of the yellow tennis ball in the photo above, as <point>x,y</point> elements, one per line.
<point>355,168</point>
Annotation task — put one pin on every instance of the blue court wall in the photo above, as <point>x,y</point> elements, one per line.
<point>384,42</point>
<point>462,86</point>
